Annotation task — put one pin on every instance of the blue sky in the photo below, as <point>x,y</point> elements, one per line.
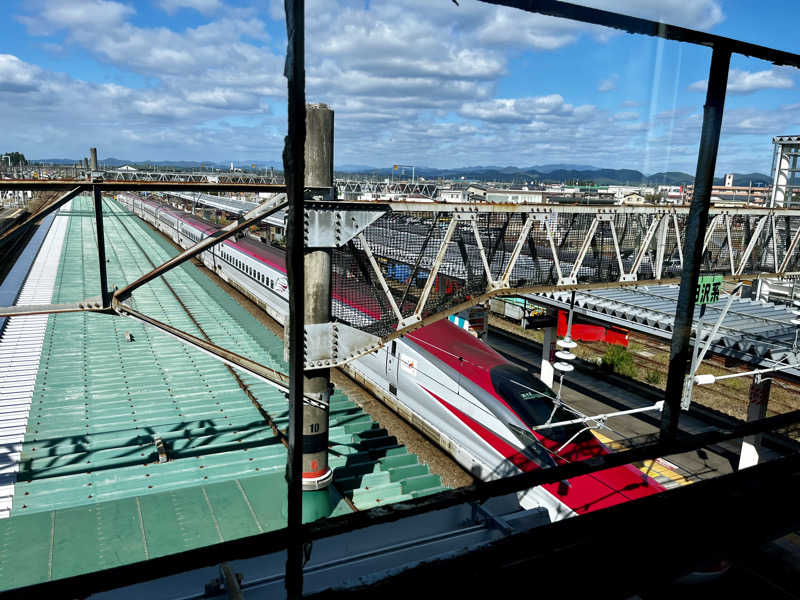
<point>421,82</point>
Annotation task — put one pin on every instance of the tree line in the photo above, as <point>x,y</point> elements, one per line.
<point>17,159</point>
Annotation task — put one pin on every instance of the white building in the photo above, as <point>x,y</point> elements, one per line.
<point>514,196</point>
<point>453,195</point>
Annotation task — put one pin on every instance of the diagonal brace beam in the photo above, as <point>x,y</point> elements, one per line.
<point>11,233</point>
<point>251,367</point>
<point>377,270</point>
<point>90,304</point>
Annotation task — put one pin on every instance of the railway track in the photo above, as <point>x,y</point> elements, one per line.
<point>723,389</point>
<point>723,395</point>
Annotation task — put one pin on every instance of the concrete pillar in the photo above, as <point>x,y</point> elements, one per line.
<point>549,353</point>
<point>756,409</point>
<point>93,159</point>
<point>319,173</point>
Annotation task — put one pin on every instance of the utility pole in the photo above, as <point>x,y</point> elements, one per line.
<point>317,289</point>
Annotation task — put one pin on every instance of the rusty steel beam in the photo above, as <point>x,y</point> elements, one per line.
<point>237,361</point>
<point>294,167</point>
<point>74,191</point>
<point>694,233</point>
<point>536,289</point>
<point>90,304</point>
<point>636,25</point>
<point>255,215</point>
<point>133,186</point>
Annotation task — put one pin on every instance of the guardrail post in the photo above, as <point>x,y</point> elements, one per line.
<point>696,224</point>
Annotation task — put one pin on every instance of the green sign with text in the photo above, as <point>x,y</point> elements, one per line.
<point>708,289</point>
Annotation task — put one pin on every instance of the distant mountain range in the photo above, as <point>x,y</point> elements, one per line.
<point>549,173</point>
<point>558,173</point>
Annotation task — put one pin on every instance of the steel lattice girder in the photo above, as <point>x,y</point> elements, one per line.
<point>476,251</point>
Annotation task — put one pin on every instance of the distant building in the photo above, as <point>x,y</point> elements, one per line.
<point>735,194</point>
<point>633,198</point>
<point>453,195</point>
<point>671,193</point>
<point>478,191</point>
<point>514,196</point>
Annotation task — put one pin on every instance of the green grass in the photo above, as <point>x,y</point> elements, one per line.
<point>618,360</point>
<point>654,377</point>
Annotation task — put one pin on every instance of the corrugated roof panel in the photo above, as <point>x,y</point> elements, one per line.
<point>20,350</point>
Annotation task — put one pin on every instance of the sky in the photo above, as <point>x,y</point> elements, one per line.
<point>414,82</point>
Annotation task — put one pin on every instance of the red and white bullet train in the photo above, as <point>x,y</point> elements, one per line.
<point>481,407</point>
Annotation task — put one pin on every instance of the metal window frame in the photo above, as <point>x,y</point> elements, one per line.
<point>295,535</point>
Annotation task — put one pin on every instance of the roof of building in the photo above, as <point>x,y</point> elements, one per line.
<point>753,331</point>
<point>90,492</point>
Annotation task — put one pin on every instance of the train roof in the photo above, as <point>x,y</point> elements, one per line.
<point>274,257</point>
<point>460,350</point>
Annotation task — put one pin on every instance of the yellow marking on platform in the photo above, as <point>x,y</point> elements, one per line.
<point>651,468</point>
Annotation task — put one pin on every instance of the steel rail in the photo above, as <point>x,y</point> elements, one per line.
<point>263,210</point>
<point>90,304</point>
<point>277,540</point>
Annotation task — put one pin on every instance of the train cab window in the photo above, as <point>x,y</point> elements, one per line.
<point>534,446</point>
<point>532,401</point>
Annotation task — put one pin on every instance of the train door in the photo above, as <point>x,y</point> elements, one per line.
<point>391,368</point>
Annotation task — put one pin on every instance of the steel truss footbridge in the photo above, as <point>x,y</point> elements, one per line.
<point>412,263</point>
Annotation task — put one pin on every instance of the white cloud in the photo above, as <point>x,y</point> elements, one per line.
<point>203,6</point>
<point>609,84</point>
<point>522,110</point>
<point>17,76</point>
<point>90,15</point>
<point>410,80</point>
<point>626,116</point>
<point>746,82</point>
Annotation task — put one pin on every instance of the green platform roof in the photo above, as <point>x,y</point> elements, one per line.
<point>91,493</point>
